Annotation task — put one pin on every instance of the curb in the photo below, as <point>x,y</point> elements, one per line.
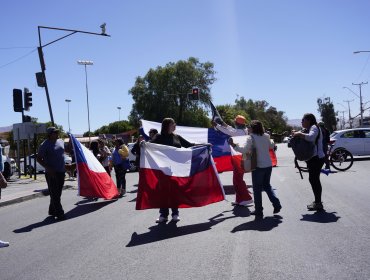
<point>44,192</point>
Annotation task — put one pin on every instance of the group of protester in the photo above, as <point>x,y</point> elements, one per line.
<point>51,152</point>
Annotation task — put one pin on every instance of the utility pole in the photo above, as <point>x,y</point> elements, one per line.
<point>342,122</point>
<point>349,112</point>
<point>361,105</point>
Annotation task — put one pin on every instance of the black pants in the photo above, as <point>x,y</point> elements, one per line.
<point>314,166</point>
<point>55,187</point>
<point>120,176</point>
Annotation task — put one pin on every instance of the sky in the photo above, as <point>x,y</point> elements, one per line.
<point>286,52</point>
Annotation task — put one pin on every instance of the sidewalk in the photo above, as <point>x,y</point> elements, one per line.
<point>22,189</point>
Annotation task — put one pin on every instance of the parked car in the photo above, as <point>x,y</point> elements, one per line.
<point>39,167</point>
<point>9,163</point>
<point>356,140</point>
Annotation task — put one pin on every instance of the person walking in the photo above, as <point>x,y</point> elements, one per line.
<point>242,195</point>
<point>312,133</point>
<point>169,138</point>
<point>262,174</point>
<point>104,155</point>
<point>51,157</point>
<point>119,155</point>
<point>136,151</point>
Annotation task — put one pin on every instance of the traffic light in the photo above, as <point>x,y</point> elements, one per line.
<point>17,100</point>
<point>26,118</point>
<point>40,78</point>
<point>194,94</point>
<point>27,99</point>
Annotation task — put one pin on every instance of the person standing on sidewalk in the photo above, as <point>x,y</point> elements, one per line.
<point>51,157</point>
<point>242,195</point>
<point>2,243</point>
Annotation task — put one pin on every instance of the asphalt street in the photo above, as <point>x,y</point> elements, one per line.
<point>112,240</point>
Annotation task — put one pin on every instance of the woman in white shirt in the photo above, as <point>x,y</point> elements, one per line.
<point>312,133</point>
<point>262,174</point>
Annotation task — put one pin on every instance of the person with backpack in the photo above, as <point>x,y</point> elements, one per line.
<point>312,133</point>
<point>325,143</point>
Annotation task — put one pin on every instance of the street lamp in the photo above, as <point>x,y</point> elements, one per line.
<point>69,126</point>
<point>119,113</point>
<point>85,63</point>
<point>42,61</point>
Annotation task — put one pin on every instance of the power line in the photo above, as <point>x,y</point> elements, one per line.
<point>17,59</point>
<point>13,48</point>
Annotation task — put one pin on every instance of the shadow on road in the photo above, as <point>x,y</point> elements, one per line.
<point>262,224</point>
<point>47,221</point>
<point>165,231</point>
<point>74,213</point>
<point>321,217</point>
<point>170,230</point>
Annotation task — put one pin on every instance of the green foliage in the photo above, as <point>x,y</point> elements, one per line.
<point>163,92</point>
<point>328,116</point>
<point>255,110</point>
<point>112,128</point>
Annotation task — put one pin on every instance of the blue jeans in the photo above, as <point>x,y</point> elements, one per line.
<point>261,182</point>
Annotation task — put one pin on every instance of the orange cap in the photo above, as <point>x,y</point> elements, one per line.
<point>240,119</point>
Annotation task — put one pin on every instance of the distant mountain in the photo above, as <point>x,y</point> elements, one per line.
<point>295,122</point>
<point>6,128</point>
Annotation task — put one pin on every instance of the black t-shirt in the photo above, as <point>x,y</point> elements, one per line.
<point>171,140</point>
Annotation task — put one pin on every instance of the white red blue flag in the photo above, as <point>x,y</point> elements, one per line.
<point>220,148</point>
<point>177,177</point>
<point>93,180</point>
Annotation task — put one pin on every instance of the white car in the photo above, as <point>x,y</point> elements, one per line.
<point>356,141</point>
<point>131,157</point>
<point>9,163</point>
<point>39,167</point>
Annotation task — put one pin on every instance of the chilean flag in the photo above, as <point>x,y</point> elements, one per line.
<point>173,177</point>
<point>93,180</point>
<point>220,148</point>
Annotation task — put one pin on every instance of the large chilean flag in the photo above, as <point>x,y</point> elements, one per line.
<point>220,148</point>
<point>173,177</point>
<point>93,180</point>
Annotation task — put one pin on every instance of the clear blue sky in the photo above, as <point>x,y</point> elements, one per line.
<point>286,52</point>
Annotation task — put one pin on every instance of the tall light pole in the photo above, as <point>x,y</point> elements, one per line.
<point>69,125</point>
<point>119,113</point>
<point>42,76</point>
<point>85,63</point>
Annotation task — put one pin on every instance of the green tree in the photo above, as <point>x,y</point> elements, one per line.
<point>163,92</point>
<point>113,128</point>
<point>326,110</point>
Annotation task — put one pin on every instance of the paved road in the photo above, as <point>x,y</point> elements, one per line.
<point>113,241</point>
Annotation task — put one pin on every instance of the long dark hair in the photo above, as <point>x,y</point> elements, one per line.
<point>257,127</point>
<point>94,147</point>
<point>311,118</point>
<point>166,124</point>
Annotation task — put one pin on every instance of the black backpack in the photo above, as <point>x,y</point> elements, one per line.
<point>304,150</point>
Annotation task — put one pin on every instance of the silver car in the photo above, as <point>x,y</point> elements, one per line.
<point>356,140</point>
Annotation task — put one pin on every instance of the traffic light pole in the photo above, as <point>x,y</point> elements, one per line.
<point>41,56</point>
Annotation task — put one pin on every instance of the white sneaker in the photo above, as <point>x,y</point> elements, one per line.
<point>161,219</point>
<point>3,244</point>
<point>246,203</point>
<point>175,218</point>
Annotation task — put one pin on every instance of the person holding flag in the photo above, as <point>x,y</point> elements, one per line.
<point>243,197</point>
<point>169,138</point>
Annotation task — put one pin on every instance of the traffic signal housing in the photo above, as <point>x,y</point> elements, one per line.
<point>27,99</point>
<point>17,100</point>
<point>194,94</point>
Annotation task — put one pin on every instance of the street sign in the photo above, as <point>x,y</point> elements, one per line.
<point>24,131</point>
